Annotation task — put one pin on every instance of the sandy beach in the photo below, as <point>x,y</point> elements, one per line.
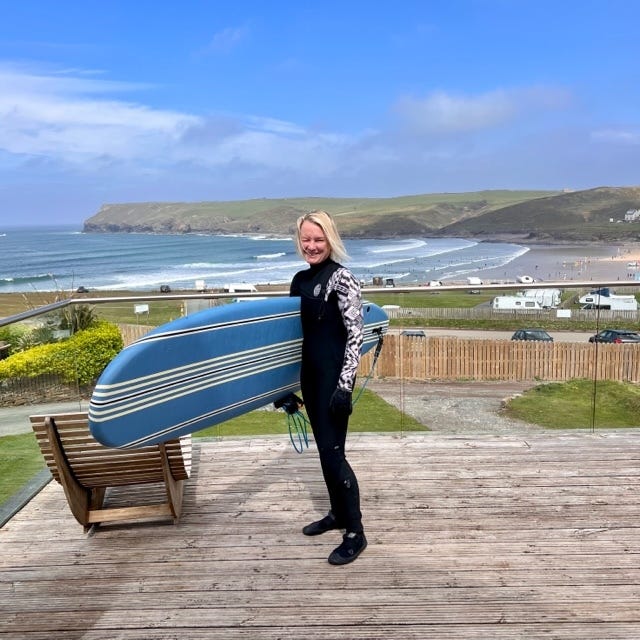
<point>570,262</point>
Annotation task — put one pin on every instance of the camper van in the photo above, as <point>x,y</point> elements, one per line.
<point>511,303</point>
<point>239,287</point>
<point>548,298</point>
<point>604,299</point>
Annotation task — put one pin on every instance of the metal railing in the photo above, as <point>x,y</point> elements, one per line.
<point>511,286</point>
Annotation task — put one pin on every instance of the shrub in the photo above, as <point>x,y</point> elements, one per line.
<point>11,335</point>
<point>78,318</point>
<point>80,359</point>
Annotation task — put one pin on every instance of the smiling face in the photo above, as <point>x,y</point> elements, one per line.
<point>315,246</point>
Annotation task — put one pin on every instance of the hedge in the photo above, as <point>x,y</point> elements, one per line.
<point>80,359</point>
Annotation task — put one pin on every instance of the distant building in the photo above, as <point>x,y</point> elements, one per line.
<point>632,215</point>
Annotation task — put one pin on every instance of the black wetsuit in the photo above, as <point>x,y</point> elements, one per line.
<point>331,313</point>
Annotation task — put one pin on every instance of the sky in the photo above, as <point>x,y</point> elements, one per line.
<point>114,101</point>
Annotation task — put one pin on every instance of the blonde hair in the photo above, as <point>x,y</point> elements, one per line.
<point>328,226</point>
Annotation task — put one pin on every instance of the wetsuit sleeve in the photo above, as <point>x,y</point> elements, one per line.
<point>347,289</point>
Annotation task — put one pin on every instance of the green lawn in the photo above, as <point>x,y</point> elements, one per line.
<point>370,414</point>
<point>571,405</point>
<point>20,460</point>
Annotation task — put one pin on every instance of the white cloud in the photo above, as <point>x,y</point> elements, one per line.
<point>617,136</point>
<point>62,117</point>
<point>441,113</point>
<point>271,144</point>
<point>225,40</point>
<point>75,120</point>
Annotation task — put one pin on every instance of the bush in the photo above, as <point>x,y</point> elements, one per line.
<point>11,335</point>
<point>80,359</point>
<point>78,318</point>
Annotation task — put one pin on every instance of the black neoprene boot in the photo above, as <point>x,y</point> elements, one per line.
<point>353,544</point>
<point>328,523</point>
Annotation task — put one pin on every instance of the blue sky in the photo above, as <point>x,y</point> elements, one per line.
<point>140,100</point>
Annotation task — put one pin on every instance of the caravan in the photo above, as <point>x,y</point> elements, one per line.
<point>548,298</point>
<point>515,303</point>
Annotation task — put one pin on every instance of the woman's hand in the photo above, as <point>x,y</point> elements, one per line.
<point>340,402</point>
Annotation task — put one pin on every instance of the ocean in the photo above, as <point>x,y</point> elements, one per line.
<point>37,259</point>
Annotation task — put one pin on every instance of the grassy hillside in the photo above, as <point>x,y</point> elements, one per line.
<point>533,216</point>
<point>368,217</point>
<point>577,216</point>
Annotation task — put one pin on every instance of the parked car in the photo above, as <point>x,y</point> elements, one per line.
<point>616,335</point>
<point>532,334</point>
<point>416,333</point>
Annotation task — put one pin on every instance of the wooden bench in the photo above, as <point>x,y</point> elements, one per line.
<point>86,469</point>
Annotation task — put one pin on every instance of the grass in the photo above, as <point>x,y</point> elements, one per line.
<point>570,405</point>
<point>160,311</point>
<point>20,460</point>
<point>370,414</point>
<point>20,457</point>
<point>431,299</point>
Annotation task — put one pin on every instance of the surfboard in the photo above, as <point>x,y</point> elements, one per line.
<point>205,368</point>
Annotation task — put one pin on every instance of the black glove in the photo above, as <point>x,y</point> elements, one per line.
<point>340,403</point>
<point>290,403</point>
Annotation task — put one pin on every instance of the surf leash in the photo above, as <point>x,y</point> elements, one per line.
<point>296,421</point>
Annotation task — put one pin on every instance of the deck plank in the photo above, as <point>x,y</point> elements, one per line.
<point>469,538</point>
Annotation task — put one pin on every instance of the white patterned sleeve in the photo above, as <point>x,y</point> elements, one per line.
<point>344,283</point>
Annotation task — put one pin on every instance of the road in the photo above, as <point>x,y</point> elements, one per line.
<point>15,420</point>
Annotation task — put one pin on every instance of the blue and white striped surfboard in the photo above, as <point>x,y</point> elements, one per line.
<point>204,369</point>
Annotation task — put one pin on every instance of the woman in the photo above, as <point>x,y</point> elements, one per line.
<point>331,313</point>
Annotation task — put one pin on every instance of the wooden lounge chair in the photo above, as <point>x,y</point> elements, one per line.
<point>86,469</point>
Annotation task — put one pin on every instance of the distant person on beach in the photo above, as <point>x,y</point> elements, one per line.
<point>332,331</point>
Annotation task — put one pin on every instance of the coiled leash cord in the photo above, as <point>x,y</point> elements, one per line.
<point>297,422</point>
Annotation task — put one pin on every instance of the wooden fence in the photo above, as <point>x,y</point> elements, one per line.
<point>131,332</point>
<point>449,358</point>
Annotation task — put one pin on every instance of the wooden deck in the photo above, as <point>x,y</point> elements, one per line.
<point>490,537</point>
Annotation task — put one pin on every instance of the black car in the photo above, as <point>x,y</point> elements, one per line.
<point>532,334</point>
<point>616,336</point>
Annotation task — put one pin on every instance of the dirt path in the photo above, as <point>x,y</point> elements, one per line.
<point>456,407</point>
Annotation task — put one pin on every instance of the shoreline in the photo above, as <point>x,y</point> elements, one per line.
<point>569,262</point>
